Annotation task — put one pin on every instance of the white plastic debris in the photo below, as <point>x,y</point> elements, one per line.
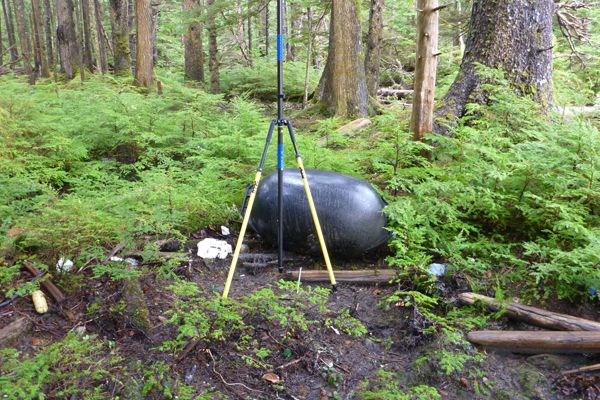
<point>116,259</point>
<point>225,230</point>
<point>64,265</point>
<point>437,269</point>
<point>131,261</point>
<point>213,248</point>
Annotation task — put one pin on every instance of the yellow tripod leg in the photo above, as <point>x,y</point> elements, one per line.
<point>315,217</point>
<point>238,246</point>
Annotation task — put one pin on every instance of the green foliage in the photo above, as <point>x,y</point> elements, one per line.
<point>386,386</point>
<point>260,79</point>
<point>75,366</point>
<point>511,193</point>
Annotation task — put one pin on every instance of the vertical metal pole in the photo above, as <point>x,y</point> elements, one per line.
<point>280,161</point>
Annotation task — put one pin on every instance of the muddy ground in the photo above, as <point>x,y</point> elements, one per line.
<point>323,364</point>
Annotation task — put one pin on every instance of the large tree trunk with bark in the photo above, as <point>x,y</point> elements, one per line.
<point>67,38</point>
<point>192,41</point>
<point>119,18</point>
<point>514,36</point>
<point>374,44</point>
<point>102,59</point>
<point>87,35</point>
<point>425,67</point>
<point>144,64</point>
<point>10,32</point>
<point>213,55</point>
<point>41,62</point>
<point>24,41</point>
<point>343,89</point>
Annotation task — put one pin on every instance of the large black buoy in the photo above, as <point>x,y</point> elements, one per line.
<point>349,209</point>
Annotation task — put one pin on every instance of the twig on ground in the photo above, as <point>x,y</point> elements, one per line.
<point>289,364</point>
<point>207,351</point>
<point>588,368</point>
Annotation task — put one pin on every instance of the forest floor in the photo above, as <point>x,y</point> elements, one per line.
<point>394,358</point>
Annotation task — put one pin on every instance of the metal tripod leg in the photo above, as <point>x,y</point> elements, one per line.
<point>312,207</point>
<point>240,240</point>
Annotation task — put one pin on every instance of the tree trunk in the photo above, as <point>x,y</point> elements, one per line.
<point>119,18</point>
<point>10,32</point>
<point>41,62</point>
<point>267,36</point>
<point>87,35</point>
<point>49,29</point>
<point>308,55</point>
<point>374,44</point>
<point>514,36</point>
<point>343,89</point>
<point>425,68</point>
<point>67,38</point>
<point>144,64</point>
<point>101,56</point>
<point>213,60</point>
<point>290,54</point>
<point>23,35</point>
<point>155,17</point>
<point>192,41</point>
<point>249,30</point>
<point>538,341</point>
<point>1,45</point>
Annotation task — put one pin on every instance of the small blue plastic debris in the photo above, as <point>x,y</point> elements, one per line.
<point>437,269</point>
<point>592,291</point>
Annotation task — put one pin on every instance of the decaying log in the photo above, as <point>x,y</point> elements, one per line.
<point>538,341</point>
<point>355,125</point>
<point>359,276</point>
<point>14,330</point>
<point>397,93</point>
<point>533,315</point>
<point>54,291</point>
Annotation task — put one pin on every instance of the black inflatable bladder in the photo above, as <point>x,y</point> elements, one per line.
<point>349,209</point>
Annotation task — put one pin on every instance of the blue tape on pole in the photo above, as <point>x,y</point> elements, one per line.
<point>280,47</point>
<point>280,156</point>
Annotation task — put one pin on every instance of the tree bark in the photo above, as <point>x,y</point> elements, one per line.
<point>87,35</point>
<point>267,36</point>
<point>343,89</point>
<point>309,50</point>
<point>155,17</point>
<point>41,62</point>
<point>67,38</point>
<point>249,29</point>
<point>49,29</point>
<point>532,315</point>
<point>374,44</point>
<point>144,64</point>
<point>425,68</point>
<point>10,32</point>
<point>101,55</point>
<point>539,341</point>
<point>119,17</point>
<point>1,44</point>
<point>192,41</point>
<point>514,36</point>
<point>23,32</point>
<point>213,60</point>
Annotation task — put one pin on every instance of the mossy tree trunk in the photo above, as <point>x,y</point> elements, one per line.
<point>10,32</point>
<point>23,32</point>
<point>102,59</point>
<point>144,65</point>
<point>192,41</point>
<point>374,47</point>
<point>87,35</point>
<point>41,62</point>
<point>213,54</point>
<point>514,36</point>
<point>343,89</point>
<point>49,29</point>
<point>119,18</point>
<point>67,37</point>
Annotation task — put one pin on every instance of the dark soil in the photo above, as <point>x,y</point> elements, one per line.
<point>323,364</point>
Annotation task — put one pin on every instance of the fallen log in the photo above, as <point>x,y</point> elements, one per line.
<point>397,93</point>
<point>355,125</point>
<point>14,330</point>
<point>359,276</point>
<point>532,315</point>
<point>54,291</point>
<point>538,341</point>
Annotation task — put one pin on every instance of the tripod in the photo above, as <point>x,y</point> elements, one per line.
<point>280,123</point>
